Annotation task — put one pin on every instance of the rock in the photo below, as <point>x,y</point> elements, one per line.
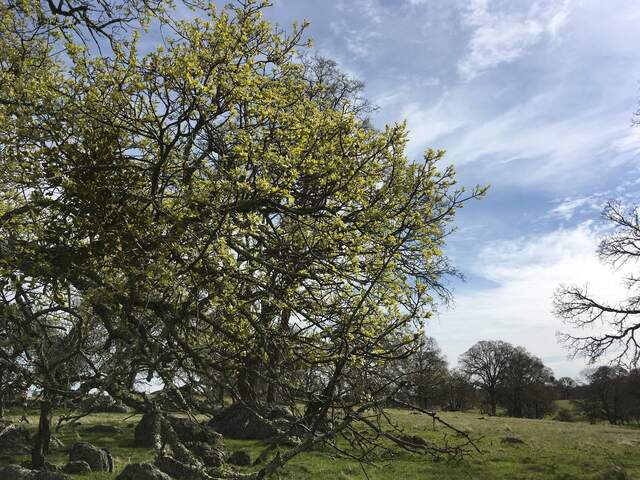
<point>413,440</point>
<point>273,412</point>
<point>99,428</point>
<point>614,473</point>
<point>56,444</point>
<point>79,467</point>
<point>179,470</point>
<point>285,440</point>
<point>211,456</point>
<point>14,439</point>
<point>240,458</point>
<point>16,472</point>
<point>103,404</point>
<point>142,471</point>
<point>146,430</point>
<point>512,441</point>
<point>99,459</point>
<point>186,430</point>
<point>49,476</point>
<point>239,421</point>
<point>189,431</point>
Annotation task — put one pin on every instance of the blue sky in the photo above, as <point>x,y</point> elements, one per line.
<point>532,97</point>
<point>535,98</point>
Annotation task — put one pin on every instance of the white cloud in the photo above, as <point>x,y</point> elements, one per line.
<point>567,208</point>
<point>528,143</point>
<point>498,38</point>
<point>629,143</point>
<point>519,309</point>
<point>359,42</point>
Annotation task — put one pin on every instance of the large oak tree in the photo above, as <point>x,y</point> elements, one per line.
<point>216,209</point>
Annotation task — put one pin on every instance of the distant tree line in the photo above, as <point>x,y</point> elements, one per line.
<point>611,394</point>
<point>493,376</point>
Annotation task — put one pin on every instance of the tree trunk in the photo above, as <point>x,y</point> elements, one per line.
<point>2,393</point>
<point>271,393</point>
<point>247,380</point>
<point>220,390</point>
<point>41,441</point>
<point>493,402</point>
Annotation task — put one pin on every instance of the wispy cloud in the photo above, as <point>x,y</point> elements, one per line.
<point>526,272</point>
<point>499,37</point>
<point>567,208</point>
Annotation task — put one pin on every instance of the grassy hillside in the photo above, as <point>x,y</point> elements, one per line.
<point>551,450</point>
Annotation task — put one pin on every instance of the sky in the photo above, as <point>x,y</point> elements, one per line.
<point>532,97</point>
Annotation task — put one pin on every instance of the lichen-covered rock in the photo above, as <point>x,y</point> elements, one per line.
<point>103,404</point>
<point>142,471</point>
<point>56,444</point>
<point>242,422</point>
<point>16,472</point>
<point>189,431</point>
<point>99,459</point>
<point>14,439</point>
<point>512,441</point>
<point>211,456</point>
<point>240,458</point>
<point>48,475</point>
<point>78,467</point>
<point>178,470</point>
<point>185,429</point>
<point>413,440</point>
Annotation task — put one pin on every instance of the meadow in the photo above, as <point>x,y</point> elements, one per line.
<point>549,450</point>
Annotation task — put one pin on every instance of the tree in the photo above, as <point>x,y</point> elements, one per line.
<point>487,362</point>
<point>611,394</point>
<point>525,389</point>
<point>220,212</point>
<point>425,371</point>
<point>565,387</point>
<point>621,321</point>
<point>458,391</point>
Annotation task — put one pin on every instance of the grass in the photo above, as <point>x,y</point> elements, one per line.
<point>552,450</point>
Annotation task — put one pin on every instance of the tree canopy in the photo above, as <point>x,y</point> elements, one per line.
<point>214,209</point>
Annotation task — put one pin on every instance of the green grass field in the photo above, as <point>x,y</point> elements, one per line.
<point>551,450</point>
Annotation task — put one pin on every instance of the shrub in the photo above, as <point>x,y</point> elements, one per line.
<point>564,415</point>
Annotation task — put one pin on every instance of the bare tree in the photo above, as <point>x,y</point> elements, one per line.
<point>621,321</point>
<point>487,362</point>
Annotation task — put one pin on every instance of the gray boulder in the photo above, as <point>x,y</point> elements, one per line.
<point>14,439</point>
<point>178,470</point>
<point>142,471</point>
<point>56,444</point>
<point>16,472</point>
<point>50,476</point>
<point>99,459</point>
<point>189,431</point>
<point>242,422</point>
<point>103,404</point>
<point>512,441</point>
<point>211,456</point>
<point>186,430</point>
<point>79,467</point>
